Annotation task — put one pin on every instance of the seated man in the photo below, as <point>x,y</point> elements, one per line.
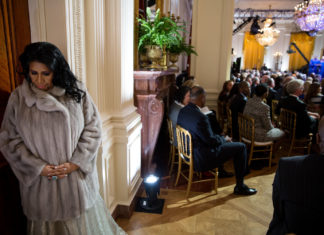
<point>211,150</point>
<point>298,193</point>
<point>306,122</point>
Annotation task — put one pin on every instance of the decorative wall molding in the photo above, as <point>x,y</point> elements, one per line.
<point>37,20</point>
<point>75,38</point>
<point>211,98</point>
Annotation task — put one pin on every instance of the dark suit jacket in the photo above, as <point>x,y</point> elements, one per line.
<point>273,95</point>
<point>304,123</point>
<point>298,196</point>
<point>237,106</point>
<point>204,141</point>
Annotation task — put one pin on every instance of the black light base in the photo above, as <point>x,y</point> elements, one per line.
<point>143,206</point>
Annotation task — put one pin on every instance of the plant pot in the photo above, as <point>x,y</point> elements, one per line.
<point>163,61</point>
<point>154,53</point>
<point>173,58</point>
<point>144,60</point>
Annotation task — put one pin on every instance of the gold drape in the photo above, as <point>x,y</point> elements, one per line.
<point>253,52</point>
<point>306,45</point>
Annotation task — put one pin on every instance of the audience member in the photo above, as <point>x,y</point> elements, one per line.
<point>181,78</point>
<point>255,82</point>
<point>260,112</point>
<point>264,79</point>
<point>224,94</point>
<point>322,86</point>
<point>278,81</point>
<point>272,93</point>
<point>314,99</point>
<point>237,106</point>
<point>190,83</point>
<point>212,150</point>
<point>282,91</point>
<point>306,87</point>
<point>298,193</point>
<point>182,98</point>
<point>306,121</point>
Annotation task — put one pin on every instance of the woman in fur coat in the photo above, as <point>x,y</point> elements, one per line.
<point>50,136</point>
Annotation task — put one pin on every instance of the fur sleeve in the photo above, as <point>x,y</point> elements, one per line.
<point>86,151</point>
<point>24,164</point>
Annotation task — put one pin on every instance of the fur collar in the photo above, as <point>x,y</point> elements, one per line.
<point>44,100</point>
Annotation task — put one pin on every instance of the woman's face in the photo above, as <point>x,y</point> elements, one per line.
<point>229,86</point>
<point>186,99</point>
<point>40,75</point>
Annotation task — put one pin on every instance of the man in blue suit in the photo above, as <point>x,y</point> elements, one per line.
<point>211,150</point>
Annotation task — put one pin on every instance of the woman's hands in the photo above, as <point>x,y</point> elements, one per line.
<point>60,171</point>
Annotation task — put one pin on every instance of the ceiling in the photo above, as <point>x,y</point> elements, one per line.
<point>264,4</point>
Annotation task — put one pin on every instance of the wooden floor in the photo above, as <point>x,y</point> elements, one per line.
<point>207,213</point>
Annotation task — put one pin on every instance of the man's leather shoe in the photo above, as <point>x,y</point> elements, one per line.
<point>225,174</point>
<point>244,190</point>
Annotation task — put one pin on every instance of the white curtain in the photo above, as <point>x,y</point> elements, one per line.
<point>182,8</point>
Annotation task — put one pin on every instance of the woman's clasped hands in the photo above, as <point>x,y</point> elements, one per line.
<point>53,172</point>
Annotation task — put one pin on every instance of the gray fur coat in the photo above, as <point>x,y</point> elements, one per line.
<point>47,127</point>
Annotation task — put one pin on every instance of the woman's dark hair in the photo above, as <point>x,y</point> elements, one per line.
<point>224,90</point>
<point>181,93</point>
<point>311,92</point>
<point>234,91</point>
<point>224,94</point>
<point>260,90</point>
<point>52,57</point>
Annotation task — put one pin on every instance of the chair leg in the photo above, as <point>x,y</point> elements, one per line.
<point>172,152</point>
<point>170,156</point>
<point>270,157</point>
<point>309,147</point>
<point>179,170</point>
<point>250,155</point>
<point>290,148</point>
<point>216,180</point>
<point>189,181</point>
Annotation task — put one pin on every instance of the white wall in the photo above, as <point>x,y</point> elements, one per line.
<point>212,37</point>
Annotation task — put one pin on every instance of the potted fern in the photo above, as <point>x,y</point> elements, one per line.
<point>156,35</point>
<point>177,49</point>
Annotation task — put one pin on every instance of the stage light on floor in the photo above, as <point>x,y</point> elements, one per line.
<point>151,203</point>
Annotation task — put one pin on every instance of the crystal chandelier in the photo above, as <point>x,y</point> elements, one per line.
<point>267,36</point>
<point>309,16</point>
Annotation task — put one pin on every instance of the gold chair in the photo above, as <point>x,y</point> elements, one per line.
<point>173,150</point>
<point>229,129</point>
<point>274,116</point>
<point>247,132</point>
<point>185,152</point>
<point>287,122</point>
